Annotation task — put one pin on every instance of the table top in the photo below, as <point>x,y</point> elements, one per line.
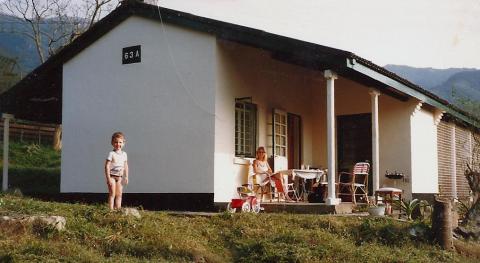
<point>305,174</point>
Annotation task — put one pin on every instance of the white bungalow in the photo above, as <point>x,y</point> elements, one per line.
<point>196,96</point>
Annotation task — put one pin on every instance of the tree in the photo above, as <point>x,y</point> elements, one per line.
<point>470,227</point>
<point>52,24</point>
<point>465,103</point>
<point>473,178</point>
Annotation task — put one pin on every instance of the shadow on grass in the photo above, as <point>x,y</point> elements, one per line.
<point>34,180</point>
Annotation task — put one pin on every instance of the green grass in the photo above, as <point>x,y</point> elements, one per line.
<point>33,168</point>
<point>32,155</point>
<point>94,234</point>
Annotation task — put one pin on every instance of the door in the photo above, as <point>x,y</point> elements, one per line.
<point>354,141</point>
<point>280,146</point>
<point>294,141</point>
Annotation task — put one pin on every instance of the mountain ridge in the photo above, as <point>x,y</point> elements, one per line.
<point>450,84</point>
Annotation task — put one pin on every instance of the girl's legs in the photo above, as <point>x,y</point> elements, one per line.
<point>118,194</point>
<point>111,193</point>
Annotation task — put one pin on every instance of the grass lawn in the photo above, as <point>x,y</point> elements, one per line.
<point>33,168</point>
<point>93,234</point>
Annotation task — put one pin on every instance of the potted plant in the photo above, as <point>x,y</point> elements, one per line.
<point>376,209</point>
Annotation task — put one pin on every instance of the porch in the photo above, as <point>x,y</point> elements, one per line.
<point>307,116</point>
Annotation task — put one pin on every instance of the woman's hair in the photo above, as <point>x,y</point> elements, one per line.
<point>118,135</point>
<point>261,148</point>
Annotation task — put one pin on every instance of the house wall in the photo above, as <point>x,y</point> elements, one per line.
<point>424,152</point>
<point>463,150</point>
<point>395,141</point>
<point>165,105</point>
<point>456,146</point>
<point>445,131</point>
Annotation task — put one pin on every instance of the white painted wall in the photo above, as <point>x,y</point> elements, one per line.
<point>165,105</point>
<point>395,141</point>
<point>424,152</point>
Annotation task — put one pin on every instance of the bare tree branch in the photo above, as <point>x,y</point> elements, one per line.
<point>52,24</point>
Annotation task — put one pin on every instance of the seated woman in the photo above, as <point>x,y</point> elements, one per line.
<point>263,170</point>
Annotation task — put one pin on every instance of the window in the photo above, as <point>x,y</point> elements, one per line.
<point>245,127</point>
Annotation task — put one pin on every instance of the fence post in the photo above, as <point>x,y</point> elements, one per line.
<point>57,141</point>
<point>6,130</point>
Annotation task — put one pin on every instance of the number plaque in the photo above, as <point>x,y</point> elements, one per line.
<point>131,55</point>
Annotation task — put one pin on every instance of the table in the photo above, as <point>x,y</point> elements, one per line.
<point>390,192</point>
<point>304,174</point>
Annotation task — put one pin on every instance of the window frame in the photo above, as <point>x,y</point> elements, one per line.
<point>245,132</point>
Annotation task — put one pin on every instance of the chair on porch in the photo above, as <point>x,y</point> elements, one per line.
<point>262,184</point>
<point>354,184</point>
<point>292,191</point>
<point>265,185</point>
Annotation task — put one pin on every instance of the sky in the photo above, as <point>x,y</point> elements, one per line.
<point>419,33</point>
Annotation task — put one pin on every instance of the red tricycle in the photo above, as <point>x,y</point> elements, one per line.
<point>246,203</point>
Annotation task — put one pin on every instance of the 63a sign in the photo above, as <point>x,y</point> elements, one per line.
<point>132,54</point>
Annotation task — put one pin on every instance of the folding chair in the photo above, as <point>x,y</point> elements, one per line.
<point>355,183</point>
<point>291,190</point>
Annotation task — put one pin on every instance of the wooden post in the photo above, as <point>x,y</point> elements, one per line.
<point>6,131</point>
<point>442,223</point>
<point>57,141</point>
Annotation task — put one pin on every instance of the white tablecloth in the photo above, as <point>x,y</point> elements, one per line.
<point>305,174</point>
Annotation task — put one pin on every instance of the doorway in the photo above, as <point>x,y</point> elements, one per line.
<point>294,127</point>
<point>354,142</point>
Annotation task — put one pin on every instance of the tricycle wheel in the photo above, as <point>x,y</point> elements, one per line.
<point>246,207</point>
<point>231,209</point>
<point>256,206</point>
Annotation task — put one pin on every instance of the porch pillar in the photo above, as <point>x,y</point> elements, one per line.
<point>375,141</point>
<point>331,156</point>
<point>6,130</point>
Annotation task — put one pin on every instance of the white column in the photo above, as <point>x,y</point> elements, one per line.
<point>375,141</point>
<point>331,198</point>
<point>6,131</point>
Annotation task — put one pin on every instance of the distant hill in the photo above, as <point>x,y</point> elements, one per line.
<point>20,47</point>
<point>16,46</point>
<point>462,82</point>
